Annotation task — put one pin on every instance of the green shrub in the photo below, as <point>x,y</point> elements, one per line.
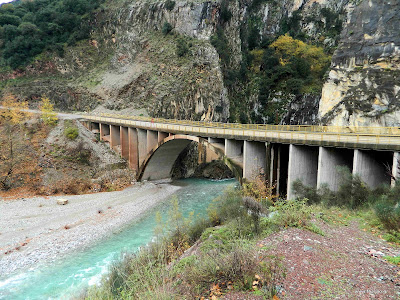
<point>169,5</point>
<point>71,133</point>
<point>255,209</point>
<point>353,192</point>
<point>182,47</point>
<point>388,213</point>
<point>291,213</point>
<point>306,192</point>
<point>240,265</point>
<point>166,29</point>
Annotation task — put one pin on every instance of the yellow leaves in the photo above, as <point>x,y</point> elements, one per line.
<point>12,111</point>
<point>48,115</point>
<point>286,47</point>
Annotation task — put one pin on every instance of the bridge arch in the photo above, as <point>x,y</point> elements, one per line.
<point>159,162</point>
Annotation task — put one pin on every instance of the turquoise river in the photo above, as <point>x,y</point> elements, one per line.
<point>70,276</point>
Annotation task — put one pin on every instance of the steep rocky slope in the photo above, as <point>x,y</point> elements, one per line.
<point>364,80</point>
<point>132,65</point>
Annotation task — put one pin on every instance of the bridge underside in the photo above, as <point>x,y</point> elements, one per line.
<point>152,154</point>
<point>160,164</point>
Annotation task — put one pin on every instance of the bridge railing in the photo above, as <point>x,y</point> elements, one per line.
<point>392,131</point>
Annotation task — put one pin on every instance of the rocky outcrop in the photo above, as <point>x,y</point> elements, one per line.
<point>129,65</point>
<point>363,84</point>
<point>302,110</point>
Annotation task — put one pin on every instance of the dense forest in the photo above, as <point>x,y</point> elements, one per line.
<point>27,28</point>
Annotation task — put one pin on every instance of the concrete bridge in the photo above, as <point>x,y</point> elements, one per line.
<point>281,153</point>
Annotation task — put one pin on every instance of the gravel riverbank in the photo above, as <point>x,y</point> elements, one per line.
<point>37,230</point>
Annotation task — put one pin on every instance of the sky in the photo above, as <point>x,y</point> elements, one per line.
<point>5,1</point>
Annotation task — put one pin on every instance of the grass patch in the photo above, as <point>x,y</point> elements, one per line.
<point>71,132</point>
<point>314,228</point>
<point>393,259</point>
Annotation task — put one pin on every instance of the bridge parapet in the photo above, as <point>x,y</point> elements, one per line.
<point>287,134</point>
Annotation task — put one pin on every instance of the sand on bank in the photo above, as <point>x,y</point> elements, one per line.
<point>37,230</point>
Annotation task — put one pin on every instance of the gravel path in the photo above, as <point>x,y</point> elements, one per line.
<point>346,263</point>
<point>37,230</point>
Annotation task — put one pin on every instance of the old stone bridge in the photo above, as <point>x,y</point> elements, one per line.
<point>281,153</point>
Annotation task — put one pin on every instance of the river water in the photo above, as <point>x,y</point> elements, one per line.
<point>66,278</point>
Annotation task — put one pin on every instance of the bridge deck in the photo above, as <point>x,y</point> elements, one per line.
<point>379,138</point>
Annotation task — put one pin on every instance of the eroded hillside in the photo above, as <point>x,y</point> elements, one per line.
<point>216,61</point>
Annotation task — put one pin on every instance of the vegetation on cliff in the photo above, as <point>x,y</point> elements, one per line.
<point>30,27</point>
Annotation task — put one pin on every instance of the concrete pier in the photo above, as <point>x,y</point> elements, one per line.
<point>124,142</point>
<point>94,127</point>
<point>152,139</point>
<point>233,148</point>
<point>104,131</point>
<point>395,169</point>
<point>162,136</point>
<point>133,148</point>
<point>303,166</point>
<point>372,167</point>
<point>142,144</point>
<point>273,166</point>
<point>254,161</point>
<point>328,161</point>
<point>115,137</point>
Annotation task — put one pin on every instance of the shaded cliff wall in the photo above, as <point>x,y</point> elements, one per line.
<point>364,80</point>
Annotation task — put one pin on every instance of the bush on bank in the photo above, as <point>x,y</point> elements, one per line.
<point>354,194</point>
<point>213,255</point>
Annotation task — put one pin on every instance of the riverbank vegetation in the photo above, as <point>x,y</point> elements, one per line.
<point>381,206</point>
<point>221,254</point>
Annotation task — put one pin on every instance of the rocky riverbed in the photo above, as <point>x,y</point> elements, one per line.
<point>37,230</point>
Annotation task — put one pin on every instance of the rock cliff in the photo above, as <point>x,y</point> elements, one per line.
<point>364,80</point>
<point>205,60</point>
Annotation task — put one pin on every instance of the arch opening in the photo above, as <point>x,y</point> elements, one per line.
<point>159,162</point>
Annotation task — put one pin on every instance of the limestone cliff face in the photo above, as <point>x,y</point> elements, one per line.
<point>364,81</point>
<point>130,66</point>
<point>145,71</point>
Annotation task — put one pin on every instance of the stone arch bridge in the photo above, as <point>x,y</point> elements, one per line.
<point>281,153</point>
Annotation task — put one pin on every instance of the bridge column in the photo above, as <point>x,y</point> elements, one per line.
<point>162,136</point>
<point>94,127</point>
<point>372,166</point>
<point>104,132</point>
<point>124,142</point>
<point>133,149</point>
<point>115,137</point>
<point>328,161</point>
<point>254,159</point>
<point>395,168</point>
<point>142,144</point>
<point>273,165</point>
<point>303,165</point>
<point>233,148</point>
<point>152,139</point>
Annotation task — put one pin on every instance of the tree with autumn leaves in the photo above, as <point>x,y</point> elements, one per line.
<point>13,143</point>
<point>48,115</point>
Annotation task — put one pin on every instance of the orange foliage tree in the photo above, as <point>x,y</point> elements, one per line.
<point>13,143</point>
